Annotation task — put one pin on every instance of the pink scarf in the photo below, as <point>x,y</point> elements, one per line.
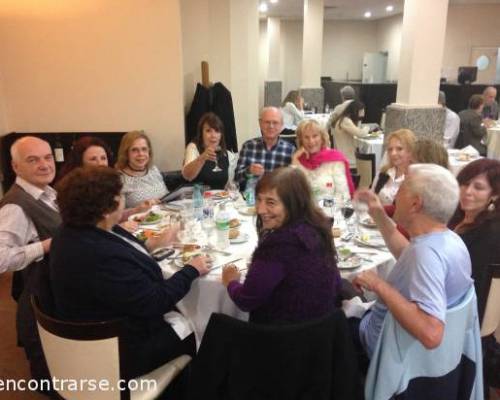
<point>324,156</point>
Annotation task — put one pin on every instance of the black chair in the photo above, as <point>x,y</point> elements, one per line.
<point>288,135</point>
<point>173,180</point>
<point>365,165</point>
<point>78,351</point>
<point>242,361</point>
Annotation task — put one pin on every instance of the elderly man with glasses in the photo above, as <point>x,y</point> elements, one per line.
<point>267,152</point>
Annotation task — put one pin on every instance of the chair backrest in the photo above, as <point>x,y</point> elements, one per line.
<point>244,360</point>
<point>365,165</point>
<point>490,311</point>
<point>402,366</point>
<point>82,352</point>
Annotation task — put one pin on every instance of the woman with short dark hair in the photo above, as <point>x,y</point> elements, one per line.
<point>293,276</point>
<point>98,271</point>
<point>208,149</point>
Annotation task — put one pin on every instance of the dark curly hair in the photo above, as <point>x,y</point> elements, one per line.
<point>86,194</point>
<point>75,157</point>
<point>491,169</point>
<point>294,191</point>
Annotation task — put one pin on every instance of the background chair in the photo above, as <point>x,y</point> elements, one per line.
<point>96,351</point>
<point>365,165</point>
<point>402,368</point>
<point>243,361</point>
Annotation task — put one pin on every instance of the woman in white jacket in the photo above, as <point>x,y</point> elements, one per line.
<point>346,129</point>
<point>293,109</point>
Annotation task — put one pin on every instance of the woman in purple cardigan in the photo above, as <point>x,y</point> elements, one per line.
<point>293,276</point>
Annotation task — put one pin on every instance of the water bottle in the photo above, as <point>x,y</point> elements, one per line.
<point>197,202</point>
<point>329,200</point>
<point>222,227</point>
<point>250,190</point>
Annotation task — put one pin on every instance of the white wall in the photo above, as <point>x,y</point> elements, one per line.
<point>291,35</point>
<point>89,65</point>
<point>343,46</point>
<point>389,39</point>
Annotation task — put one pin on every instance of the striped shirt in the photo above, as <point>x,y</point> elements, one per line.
<point>254,151</point>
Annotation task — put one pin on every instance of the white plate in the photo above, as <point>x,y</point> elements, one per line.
<point>241,238</point>
<point>216,194</point>
<point>140,215</point>
<point>372,241</point>
<point>247,211</point>
<point>368,222</point>
<point>350,263</point>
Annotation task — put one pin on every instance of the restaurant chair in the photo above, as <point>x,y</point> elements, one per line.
<point>85,351</point>
<point>489,314</point>
<point>289,135</point>
<point>173,179</point>
<point>365,165</point>
<point>240,360</point>
<point>402,368</point>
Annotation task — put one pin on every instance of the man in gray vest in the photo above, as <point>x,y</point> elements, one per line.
<point>28,219</point>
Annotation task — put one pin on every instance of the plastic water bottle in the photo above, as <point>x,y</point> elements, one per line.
<point>222,228</point>
<point>250,190</point>
<point>329,200</point>
<point>197,202</point>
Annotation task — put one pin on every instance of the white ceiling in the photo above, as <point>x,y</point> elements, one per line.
<point>348,9</point>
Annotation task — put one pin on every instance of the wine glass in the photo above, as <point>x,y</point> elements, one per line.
<point>217,152</point>
<point>234,190</point>
<point>347,212</point>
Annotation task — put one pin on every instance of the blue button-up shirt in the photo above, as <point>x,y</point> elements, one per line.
<point>254,151</point>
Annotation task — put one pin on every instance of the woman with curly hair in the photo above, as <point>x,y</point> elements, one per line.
<point>98,271</point>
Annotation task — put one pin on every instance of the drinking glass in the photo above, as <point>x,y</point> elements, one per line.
<point>234,190</point>
<point>347,210</point>
<point>217,153</point>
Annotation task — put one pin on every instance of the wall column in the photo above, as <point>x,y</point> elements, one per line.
<point>273,83</point>
<point>312,47</point>
<point>420,70</point>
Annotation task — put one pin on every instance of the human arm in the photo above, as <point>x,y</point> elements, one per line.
<point>194,161</point>
<point>353,130</point>
<point>165,238</point>
<point>424,327</point>
<point>262,278</point>
<point>19,242</point>
<point>395,240</point>
<point>298,153</point>
<point>477,128</point>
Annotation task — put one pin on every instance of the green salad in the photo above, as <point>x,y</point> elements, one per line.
<point>151,217</point>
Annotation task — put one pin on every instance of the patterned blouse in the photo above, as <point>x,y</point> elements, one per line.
<point>136,189</point>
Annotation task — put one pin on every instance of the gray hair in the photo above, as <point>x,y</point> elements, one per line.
<point>438,189</point>
<point>347,93</point>
<point>270,108</point>
<point>442,98</point>
<point>14,149</point>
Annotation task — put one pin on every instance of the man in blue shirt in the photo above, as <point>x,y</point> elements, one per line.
<point>433,269</point>
<point>267,152</point>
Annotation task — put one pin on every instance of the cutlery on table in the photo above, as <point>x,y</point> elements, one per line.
<point>226,263</point>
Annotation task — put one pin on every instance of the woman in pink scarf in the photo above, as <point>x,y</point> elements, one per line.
<point>326,169</point>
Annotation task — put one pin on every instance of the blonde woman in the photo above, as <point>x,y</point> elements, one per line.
<point>400,150</point>
<point>141,179</point>
<point>326,169</point>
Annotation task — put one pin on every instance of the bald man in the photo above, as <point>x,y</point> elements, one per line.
<point>490,109</point>
<point>28,220</point>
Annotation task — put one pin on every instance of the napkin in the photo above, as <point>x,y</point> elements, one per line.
<point>355,308</point>
<point>470,150</point>
<point>179,324</point>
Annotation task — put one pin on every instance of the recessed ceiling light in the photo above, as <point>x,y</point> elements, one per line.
<point>389,8</point>
<point>273,1</point>
<point>263,7</point>
<point>367,14</point>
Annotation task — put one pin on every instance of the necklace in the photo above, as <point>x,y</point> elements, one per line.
<point>137,170</point>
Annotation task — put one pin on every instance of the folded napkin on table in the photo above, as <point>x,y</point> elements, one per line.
<point>355,308</point>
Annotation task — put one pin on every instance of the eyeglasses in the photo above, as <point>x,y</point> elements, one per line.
<point>271,123</point>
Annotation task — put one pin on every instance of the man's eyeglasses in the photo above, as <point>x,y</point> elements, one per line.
<point>271,123</point>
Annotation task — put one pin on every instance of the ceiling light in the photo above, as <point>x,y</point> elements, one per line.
<point>389,8</point>
<point>263,7</point>
<point>367,14</point>
<point>273,1</point>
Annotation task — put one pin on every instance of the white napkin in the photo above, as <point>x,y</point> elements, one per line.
<point>355,308</point>
<point>179,324</point>
<point>470,150</point>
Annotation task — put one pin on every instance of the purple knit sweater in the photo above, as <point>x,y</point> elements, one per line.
<point>289,279</point>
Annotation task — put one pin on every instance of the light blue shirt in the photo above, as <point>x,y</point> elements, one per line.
<point>434,271</point>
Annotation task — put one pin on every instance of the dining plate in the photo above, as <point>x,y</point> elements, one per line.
<point>148,217</point>
<point>217,194</point>
<point>241,238</point>
<point>350,263</point>
<point>370,240</point>
<point>247,211</point>
<point>368,222</point>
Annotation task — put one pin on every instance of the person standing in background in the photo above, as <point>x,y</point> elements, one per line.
<point>451,123</point>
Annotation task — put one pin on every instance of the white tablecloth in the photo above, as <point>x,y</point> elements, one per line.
<point>455,164</point>
<point>322,119</point>
<point>372,146</point>
<point>208,295</point>
<point>493,142</point>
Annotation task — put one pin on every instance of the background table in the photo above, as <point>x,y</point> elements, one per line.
<point>372,145</point>
<point>455,164</point>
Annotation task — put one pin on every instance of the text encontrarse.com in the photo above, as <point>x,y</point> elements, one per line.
<point>76,385</point>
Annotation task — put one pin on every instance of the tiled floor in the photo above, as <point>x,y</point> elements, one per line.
<point>13,364</point>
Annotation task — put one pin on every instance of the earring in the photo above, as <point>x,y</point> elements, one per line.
<point>491,207</point>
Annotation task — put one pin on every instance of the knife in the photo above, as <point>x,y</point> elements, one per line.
<point>223,265</point>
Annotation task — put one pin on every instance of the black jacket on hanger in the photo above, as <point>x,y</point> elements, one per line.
<point>218,100</point>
